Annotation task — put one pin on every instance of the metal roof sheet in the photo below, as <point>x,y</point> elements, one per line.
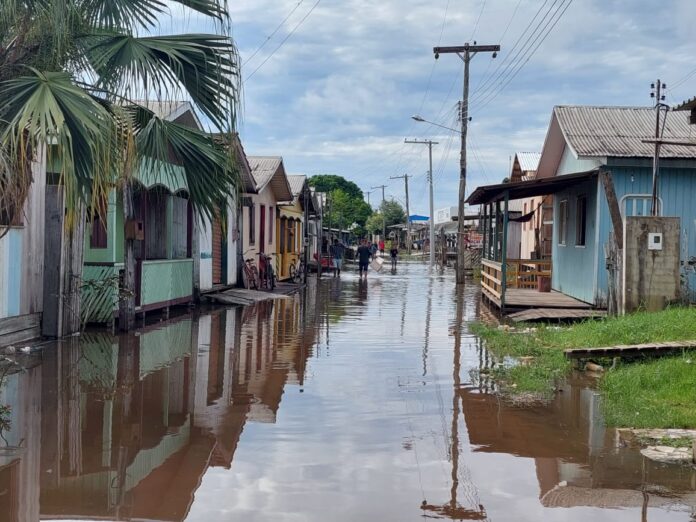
<point>529,161</point>
<point>296,182</point>
<point>618,131</point>
<point>269,169</point>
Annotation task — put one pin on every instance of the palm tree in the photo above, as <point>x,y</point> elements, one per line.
<point>71,75</point>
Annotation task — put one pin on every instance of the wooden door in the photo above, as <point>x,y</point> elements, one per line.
<point>217,252</point>
<point>262,230</point>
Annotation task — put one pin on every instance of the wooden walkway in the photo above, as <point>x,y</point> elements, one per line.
<point>244,297</point>
<point>530,298</point>
<point>545,314</point>
<point>631,350</point>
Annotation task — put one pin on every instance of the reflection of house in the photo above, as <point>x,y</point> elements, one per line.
<point>576,458</point>
<point>260,209</point>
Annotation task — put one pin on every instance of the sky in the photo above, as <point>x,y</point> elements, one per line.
<point>337,96</point>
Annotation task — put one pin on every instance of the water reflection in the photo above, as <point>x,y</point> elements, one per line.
<point>354,399</point>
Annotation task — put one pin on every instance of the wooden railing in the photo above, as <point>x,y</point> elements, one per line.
<point>524,273</point>
<point>492,277</point>
<point>519,273</point>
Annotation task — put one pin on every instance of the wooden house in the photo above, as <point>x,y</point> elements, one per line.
<point>260,208</point>
<point>537,212</point>
<point>290,224</point>
<point>174,250</point>
<point>581,143</point>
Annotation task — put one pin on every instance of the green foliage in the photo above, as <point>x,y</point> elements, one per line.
<point>656,394</point>
<point>72,73</point>
<point>331,182</point>
<point>374,223</point>
<point>347,204</point>
<point>651,393</point>
<point>393,212</point>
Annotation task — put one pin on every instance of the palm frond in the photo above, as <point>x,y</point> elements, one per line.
<point>204,65</point>
<point>208,168</point>
<point>47,111</point>
<point>119,14</point>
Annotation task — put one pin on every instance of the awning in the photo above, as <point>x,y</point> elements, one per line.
<point>528,189</point>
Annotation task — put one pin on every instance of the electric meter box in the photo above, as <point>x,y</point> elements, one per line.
<point>655,241</point>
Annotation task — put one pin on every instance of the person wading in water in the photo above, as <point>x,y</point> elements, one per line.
<point>364,255</point>
<point>337,251</point>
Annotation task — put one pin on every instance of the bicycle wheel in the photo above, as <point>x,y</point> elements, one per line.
<point>255,278</point>
<point>247,277</point>
<point>293,273</point>
<point>271,278</point>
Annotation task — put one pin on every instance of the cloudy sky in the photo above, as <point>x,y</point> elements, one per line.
<point>337,96</point>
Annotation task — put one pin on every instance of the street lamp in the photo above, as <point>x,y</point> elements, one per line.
<point>420,119</point>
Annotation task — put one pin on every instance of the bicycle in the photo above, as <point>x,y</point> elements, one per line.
<point>250,274</point>
<point>268,277</point>
<point>297,270</point>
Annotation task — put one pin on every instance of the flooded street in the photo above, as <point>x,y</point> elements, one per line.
<point>350,401</point>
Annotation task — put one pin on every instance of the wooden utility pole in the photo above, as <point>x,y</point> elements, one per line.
<point>408,212</point>
<point>659,98</point>
<point>384,221</point>
<point>430,144</point>
<point>466,52</point>
<point>368,192</point>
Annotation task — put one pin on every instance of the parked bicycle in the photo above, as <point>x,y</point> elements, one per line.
<point>268,276</point>
<point>297,270</point>
<point>250,274</point>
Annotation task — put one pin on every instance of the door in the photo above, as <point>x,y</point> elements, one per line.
<point>217,251</point>
<point>262,230</point>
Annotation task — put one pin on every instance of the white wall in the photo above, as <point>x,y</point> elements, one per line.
<point>267,199</point>
<point>205,239</point>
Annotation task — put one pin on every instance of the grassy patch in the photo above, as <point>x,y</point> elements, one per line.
<point>652,393</point>
<point>660,393</point>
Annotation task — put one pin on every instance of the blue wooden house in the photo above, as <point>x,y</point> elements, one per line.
<point>580,143</point>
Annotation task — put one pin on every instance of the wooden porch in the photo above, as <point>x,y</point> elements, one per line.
<point>521,277</point>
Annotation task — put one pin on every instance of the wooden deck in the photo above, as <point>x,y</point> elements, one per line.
<point>242,296</point>
<point>631,350</point>
<point>528,298</point>
<point>545,314</point>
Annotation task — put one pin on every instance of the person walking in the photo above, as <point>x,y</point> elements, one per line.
<point>337,251</point>
<point>364,255</point>
<point>381,246</point>
<point>393,254</point>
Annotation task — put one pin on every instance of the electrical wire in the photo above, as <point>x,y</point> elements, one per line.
<point>485,100</point>
<point>282,42</point>
<point>268,38</point>
<point>473,33</point>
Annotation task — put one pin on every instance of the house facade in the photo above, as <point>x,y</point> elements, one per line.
<point>537,212</point>
<point>260,209</point>
<point>614,144</point>
<point>290,225</point>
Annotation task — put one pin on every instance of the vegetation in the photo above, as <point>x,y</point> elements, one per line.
<point>650,393</point>
<point>390,213</point>
<point>73,77</point>
<point>348,207</point>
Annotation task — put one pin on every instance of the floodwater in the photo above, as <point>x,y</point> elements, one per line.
<point>350,402</point>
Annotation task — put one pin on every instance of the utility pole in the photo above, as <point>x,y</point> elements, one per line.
<point>659,98</point>
<point>384,221</point>
<point>466,52</point>
<point>368,192</point>
<point>430,144</point>
<point>408,212</point>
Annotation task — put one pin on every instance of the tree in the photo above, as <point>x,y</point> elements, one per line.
<point>393,212</point>
<point>374,223</point>
<point>71,75</point>
<point>346,201</point>
<point>331,182</point>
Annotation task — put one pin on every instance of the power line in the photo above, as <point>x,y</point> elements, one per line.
<point>287,37</point>
<point>503,63</point>
<point>268,38</point>
<point>473,33</point>
<point>432,69</point>
<point>485,100</point>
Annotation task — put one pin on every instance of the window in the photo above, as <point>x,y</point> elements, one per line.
<point>562,221</point>
<point>639,205</point>
<point>252,224</point>
<point>98,238</point>
<point>580,221</point>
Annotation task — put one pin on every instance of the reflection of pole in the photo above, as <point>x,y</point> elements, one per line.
<point>455,399</point>
<point>428,314</point>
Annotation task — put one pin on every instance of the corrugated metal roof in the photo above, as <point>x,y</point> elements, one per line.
<point>296,182</point>
<point>163,109</point>
<point>618,131</point>
<point>529,161</point>
<point>263,168</point>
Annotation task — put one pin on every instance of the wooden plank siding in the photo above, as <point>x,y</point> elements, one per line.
<point>19,328</point>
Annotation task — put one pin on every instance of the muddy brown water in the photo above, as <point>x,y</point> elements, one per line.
<point>352,401</point>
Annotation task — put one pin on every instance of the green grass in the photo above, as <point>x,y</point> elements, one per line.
<point>651,393</point>
<point>660,393</point>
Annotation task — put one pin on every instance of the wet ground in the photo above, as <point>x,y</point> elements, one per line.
<point>352,401</point>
